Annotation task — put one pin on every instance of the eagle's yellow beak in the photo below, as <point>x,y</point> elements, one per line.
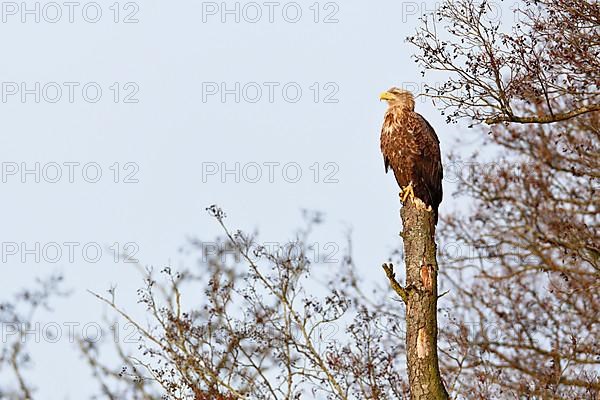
<point>386,96</point>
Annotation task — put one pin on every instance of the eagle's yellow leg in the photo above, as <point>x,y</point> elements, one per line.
<point>407,192</point>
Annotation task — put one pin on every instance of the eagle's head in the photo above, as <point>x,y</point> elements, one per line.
<point>399,98</point>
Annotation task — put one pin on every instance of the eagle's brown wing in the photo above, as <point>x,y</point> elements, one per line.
<point>386,163</point>
<point>431,161</point>
<point>429,168</point>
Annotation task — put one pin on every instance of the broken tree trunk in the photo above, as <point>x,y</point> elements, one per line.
<point>420,297</point>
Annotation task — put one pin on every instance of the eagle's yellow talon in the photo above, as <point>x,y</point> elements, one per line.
<point>407,192</point>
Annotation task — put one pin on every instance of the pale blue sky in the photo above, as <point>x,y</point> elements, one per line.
<point>166,139</point>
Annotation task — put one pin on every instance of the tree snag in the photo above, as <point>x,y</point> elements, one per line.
<point>420,297</point>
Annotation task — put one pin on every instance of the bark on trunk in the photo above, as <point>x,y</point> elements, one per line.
<point>420,297</point>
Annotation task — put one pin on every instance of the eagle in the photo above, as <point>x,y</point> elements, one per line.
<point>412,149</point>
